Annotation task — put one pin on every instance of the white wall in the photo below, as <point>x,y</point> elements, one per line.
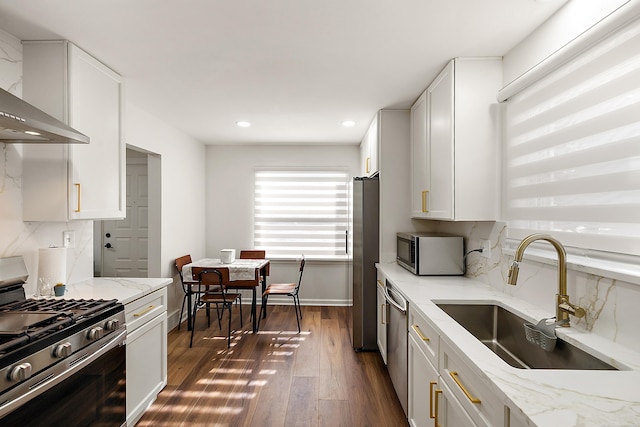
<point>182,183</point>
<point>182,213</point>
<point>229,208</point>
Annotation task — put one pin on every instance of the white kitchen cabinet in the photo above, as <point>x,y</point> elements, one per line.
<point>431,402</point>
<point>482,405</point>
<point>369,147</point>
<point>382,317</point>
<point>456,129</point>
<point>419,157</point>
<point>75,181</point>
<point>146,320</point>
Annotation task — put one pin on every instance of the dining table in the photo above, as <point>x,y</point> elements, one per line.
<point>239,274</point>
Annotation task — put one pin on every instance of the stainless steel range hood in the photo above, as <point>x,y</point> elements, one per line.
<point>21,122</point>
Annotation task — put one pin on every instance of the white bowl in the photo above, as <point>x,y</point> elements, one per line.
<point>227,256</point>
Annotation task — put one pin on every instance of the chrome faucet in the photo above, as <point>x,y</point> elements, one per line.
<point>563,307</point>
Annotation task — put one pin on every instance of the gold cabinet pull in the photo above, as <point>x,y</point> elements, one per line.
<point>381,283</point>
<point>78,205</point>
<point>420,334</point>
<point>431,384</point>
<point>424,201</point>
<point>145,311</point>
<point>456,378</point>
<point>368,166</point>
<point>435,422</point>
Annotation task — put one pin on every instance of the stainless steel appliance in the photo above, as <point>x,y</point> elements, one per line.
<point>62,361</point>
<point>428,254</point>
<point>366,218</point>
<point>397,330</point>
<point>21,122</point>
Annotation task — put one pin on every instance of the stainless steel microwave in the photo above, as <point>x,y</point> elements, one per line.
<point>427,254</point>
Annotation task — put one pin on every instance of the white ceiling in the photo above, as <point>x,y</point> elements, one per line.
<point>294,68</point>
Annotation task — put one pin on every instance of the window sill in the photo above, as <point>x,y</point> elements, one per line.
<point>308,259</point>
<point>614,266</point>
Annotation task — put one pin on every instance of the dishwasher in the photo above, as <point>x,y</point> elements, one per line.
<point>397,331</point>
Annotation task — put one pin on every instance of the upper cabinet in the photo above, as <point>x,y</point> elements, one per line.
<point>66,182</point>
<point>455,140</point>
<point>369,148</point>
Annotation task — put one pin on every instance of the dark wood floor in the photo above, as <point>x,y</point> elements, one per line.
<point>275,378</point>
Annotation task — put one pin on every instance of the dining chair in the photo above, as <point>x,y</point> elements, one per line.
<point>223,299</point>
<point>288,289</point>
<point>186,284</point>
<point>253,254</point>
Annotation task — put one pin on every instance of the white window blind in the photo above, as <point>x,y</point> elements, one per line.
<point>573,150</point>
<point>301,212</point>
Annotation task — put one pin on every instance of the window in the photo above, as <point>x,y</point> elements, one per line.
<point>301,212</point>
<point>573,150</point>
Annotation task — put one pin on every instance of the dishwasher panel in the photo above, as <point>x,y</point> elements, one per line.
<point>397,343</point>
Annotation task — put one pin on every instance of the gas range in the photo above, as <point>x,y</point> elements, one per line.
<point>43,340</point>
<point>38,333</point>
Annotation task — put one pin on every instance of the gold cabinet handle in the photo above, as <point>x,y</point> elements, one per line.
<point>380,283</point>
<point>78,205</point>
<point>431,384</point>
<point>424,201</point>
<point>435,422</point>
<point>145,311</point>
<point>456,378</point>
<point>420,334</point>
<point>368,166</point>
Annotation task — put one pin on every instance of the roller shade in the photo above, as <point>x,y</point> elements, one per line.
<point>573,150</point>
<point>301,212</point>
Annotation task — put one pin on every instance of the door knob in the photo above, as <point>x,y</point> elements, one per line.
<point>109,246</point>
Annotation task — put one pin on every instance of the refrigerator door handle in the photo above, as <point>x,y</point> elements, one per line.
<point>346,241</point>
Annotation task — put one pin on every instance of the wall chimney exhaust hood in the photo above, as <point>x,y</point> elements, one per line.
<point>23,123</point>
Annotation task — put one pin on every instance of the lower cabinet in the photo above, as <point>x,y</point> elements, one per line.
<point>146,352</point>
<point>444,388</point>
<point>431,402</point>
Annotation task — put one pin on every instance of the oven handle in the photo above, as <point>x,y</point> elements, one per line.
<point>63,370</point>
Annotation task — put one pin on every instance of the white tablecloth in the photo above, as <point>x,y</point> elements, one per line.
<point>239,269</point>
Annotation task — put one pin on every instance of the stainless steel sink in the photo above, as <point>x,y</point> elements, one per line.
<point>503,333</point>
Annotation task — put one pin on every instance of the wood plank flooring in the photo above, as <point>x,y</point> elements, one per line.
<point>275,378</point>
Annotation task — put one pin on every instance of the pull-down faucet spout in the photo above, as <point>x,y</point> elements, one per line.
<point>563,306</point>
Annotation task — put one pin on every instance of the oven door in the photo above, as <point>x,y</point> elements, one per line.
<point>86,389</point>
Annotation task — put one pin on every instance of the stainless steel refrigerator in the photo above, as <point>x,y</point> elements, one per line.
<point>366,230</point>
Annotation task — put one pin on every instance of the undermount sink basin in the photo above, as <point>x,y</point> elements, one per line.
<point>503,333</point>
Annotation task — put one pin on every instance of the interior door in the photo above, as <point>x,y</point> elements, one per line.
<point>125,242</point>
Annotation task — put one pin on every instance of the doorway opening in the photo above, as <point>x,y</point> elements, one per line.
<point>131,247</point>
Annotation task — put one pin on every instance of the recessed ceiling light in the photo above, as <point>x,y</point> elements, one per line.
<point>243,124</point>
<point>348,123</point>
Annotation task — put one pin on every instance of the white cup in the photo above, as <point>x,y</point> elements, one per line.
<point>227,256</point>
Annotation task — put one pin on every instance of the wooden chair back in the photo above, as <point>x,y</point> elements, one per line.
<point>252,254</point>
<point>181,262</point>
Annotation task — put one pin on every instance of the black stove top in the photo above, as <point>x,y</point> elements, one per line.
<point>31,320</point>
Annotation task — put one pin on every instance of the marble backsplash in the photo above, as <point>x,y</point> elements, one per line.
<point>25,238</point>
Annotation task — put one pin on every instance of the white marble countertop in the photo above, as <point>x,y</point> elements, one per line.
<point>123,289</point>
<point>544,397</point>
